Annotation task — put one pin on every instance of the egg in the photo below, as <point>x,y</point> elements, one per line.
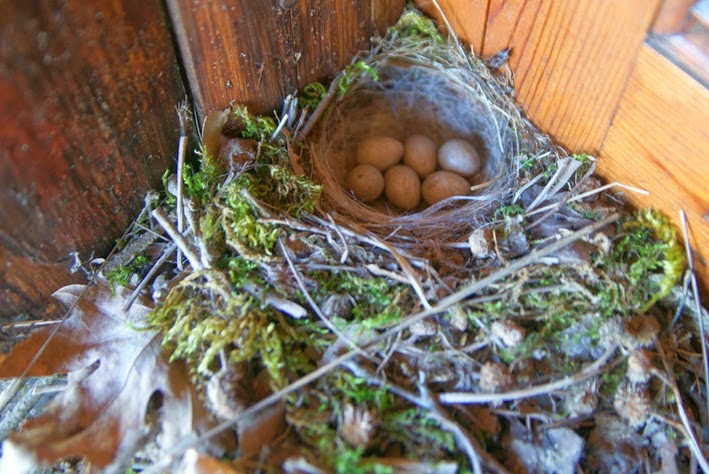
<point>460,157</point>
<point>402,187</point>
<point>366,182</point>
<point>420,154</point>
<point>380,151</point>
<point>442,185</point>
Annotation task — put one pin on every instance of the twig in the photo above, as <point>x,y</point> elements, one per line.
<point>320,109</point>
<point>669,380</point>
<point>182,243</point>
<point>271,298</point>
<point>181,152</point>
<point>440,307</point>
<point>28,325</point>
<point>427,401</point>
<point>566,198</point>
<point>346,251</point>
<point>453,398</point>
<point>299,280</point>
<point>695,290</point>
<point>591,193</point>
<point>163,258</point>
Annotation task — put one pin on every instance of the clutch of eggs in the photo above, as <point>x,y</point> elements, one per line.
<point>413,170</point>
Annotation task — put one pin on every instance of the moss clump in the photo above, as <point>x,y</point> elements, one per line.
<point>650,258</point>
<point>121,275</point>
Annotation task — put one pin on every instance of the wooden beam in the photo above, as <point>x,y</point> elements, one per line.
<point>659,141</point>
<point>256,52</point>
<point>87,102</point>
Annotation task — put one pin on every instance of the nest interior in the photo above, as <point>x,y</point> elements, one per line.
<point>414,94</point>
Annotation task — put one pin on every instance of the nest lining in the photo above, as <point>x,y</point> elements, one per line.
<point>434,90</point>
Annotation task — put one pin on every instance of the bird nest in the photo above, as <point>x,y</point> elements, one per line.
<point>421,86</point>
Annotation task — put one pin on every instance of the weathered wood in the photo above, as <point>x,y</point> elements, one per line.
<point>256,52</point>
<point>689,51</point>
<point>87,102</point>
<point>659,141</point>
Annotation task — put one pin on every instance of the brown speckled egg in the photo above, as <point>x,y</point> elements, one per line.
<point>420,154</point>
<point>380,151</point>
<point>366,182</point>
<point>402,187</point>
<point>442,185</point>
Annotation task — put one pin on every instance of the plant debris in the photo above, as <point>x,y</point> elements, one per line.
<point>532,330</point>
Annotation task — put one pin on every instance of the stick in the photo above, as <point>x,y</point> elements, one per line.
<point>315,307</point>
<point>695,290</point>
<point>182,243</point>
<point>163,258</point>
<point>315,116</point>
<point>440,307</point>
<point>181,152</point>
<point>454,398</point>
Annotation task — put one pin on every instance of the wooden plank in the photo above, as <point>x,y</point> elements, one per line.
<point>672,16</point>
<point>466,18</point>
<point>256,52</point>
<point>87,96</point>
<point>659,141</point>
<point>689,51</point>
<point>572,69</point>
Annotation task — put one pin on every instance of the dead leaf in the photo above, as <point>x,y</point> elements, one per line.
<point>114,367</point>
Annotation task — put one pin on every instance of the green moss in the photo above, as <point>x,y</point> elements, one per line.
<point>413,26</point>
<point>651,258</point>
<point>254,127</point>
<point>312,95</point>
<point>377,302</point>
<point>352,72</point>
<point>121,275</point>
<point>507,212</point>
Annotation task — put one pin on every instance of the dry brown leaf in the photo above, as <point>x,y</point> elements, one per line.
<point>113,367</point>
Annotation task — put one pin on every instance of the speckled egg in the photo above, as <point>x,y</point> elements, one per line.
<point>442,185</point>
<point>379,151</point>
<point>366,182</point>
<point>420,154</point>
<point>459,156</point>
<point>402,187</point>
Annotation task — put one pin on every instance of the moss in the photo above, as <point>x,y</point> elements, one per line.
<point>413,26</point>
<point>507,212</point>
<point>253,127</point>
<point>312,95</point>
<point>352,72</point>
<point>377,302</point>
<point>650,257</point>
<point>121,275</point>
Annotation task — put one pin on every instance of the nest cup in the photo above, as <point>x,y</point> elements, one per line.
<point>442,101</point>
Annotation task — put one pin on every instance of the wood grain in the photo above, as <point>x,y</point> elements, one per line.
<point>672,16</point>
<point>256,52</point>
<point>573,67</point>
<point>87,97</point>
<point>571,59</point>
<point>659,141</point>
<point>466,18</point>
